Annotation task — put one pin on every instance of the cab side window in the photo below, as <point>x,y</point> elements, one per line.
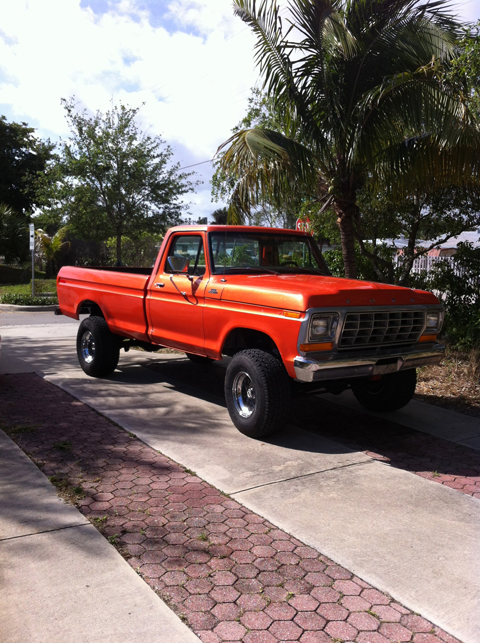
<point>189,247</point>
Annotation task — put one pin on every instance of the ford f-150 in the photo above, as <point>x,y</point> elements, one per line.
<point>265,298</point>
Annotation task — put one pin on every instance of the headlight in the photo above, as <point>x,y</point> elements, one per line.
<point>434,322</point>
<point>323,327</point>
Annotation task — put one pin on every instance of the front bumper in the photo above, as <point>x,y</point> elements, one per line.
<point>345,365</point>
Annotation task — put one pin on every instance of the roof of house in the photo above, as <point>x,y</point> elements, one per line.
<point>465,237</point>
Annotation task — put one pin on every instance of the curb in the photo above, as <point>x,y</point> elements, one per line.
<point>12,308</point>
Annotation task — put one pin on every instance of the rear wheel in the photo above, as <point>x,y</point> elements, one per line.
<point>257,392</point>
<point>199,359</point>
<point>389,393</point>
<point>98,349</point>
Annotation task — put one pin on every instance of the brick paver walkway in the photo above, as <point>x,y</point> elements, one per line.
<point>230,574</point>
<point>444,462</point>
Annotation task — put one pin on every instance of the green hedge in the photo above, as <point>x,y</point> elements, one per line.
<point>27,300</point>
<point>12,275</point>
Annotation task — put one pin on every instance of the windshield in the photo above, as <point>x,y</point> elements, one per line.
<point>242,252</point>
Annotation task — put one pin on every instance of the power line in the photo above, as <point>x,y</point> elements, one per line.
<point>195,164</point>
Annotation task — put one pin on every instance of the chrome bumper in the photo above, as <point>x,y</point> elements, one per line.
<point>346,365</point>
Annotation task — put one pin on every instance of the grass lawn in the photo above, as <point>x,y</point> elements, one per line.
<point>41,286</point>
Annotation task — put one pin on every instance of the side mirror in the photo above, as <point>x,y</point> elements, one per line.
<point>177,263</point>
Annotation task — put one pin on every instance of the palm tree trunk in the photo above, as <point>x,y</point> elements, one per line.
<point>346,213</point>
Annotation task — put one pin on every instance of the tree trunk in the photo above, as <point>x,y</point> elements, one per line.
<point>119,249</point>
<point>346,212</point>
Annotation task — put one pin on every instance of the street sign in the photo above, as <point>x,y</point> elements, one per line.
<point>32,236</point>
<point>303,225</point>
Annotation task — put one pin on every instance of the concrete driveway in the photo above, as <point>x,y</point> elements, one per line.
<point>403,533</point>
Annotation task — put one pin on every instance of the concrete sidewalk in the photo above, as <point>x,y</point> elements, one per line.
<point>61,581</point>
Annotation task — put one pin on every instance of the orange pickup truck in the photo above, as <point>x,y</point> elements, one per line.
<point>265,298</point>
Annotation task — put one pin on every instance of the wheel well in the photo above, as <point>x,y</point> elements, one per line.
<point>90,308</point>
<point>241,338</point>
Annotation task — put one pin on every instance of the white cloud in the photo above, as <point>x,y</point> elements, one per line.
<point>193,74</point>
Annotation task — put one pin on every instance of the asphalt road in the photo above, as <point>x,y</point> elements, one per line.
<point>33,319</point>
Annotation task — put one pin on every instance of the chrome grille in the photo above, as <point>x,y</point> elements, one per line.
<point>374,328</point>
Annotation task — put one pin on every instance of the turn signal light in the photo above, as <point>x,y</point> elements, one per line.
<point>289,313</point>
<point>428,338</point>
<point>328,346</point>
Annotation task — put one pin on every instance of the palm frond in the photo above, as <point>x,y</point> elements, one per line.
<point>265,166</point>
<point>420,162</point>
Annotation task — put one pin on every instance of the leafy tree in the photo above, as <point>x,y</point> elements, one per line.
<point>112,179</point>
<point>140,252</point>
<point>22,157</point>
<point>465,68</point>
<point>433,217</point>
<point>220,216</point>
<point>14,235</point>
<point>364,97</point>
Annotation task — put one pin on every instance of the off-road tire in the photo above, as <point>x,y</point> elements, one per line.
<point>390,393</point>
<point>98,349</point>
<point>271,388</point>
<point>199,359</point>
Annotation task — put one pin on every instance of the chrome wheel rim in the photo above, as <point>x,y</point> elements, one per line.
<point>244,395</point>
<point>88,347</point>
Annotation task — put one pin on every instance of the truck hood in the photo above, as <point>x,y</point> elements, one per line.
<point>301,292</point>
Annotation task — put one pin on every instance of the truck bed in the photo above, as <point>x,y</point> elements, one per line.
<point>118,291</point>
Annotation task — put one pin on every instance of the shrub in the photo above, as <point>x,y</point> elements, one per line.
<point>27,300</point>
<point>15,275</point>
<point>458,287</point>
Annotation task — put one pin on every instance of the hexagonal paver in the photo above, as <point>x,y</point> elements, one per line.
<point>259,637</point>
<point>253,602</point>
<point>395,632</point>
<point>333,612</point>
<point>375,597</point>
<point>363,622</point>
<point>280,612</point>
<point>341,630</point>
<point>416,623</point>
<point>256,620</point>
<point>359,604</point>
<point>285,630</point>
<point>227,611</point>
<point>230,631</point>
<point>224,594</point>
<point>304,603</point>
<point>310,621</point>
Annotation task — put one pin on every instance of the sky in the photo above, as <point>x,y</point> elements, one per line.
<point>188,62</point>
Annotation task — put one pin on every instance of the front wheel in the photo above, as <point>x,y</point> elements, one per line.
<point>257,392</point>
<point>389,393</point>
<point>98,349</point>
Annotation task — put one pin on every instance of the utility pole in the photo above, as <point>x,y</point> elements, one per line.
<point>32,248</point>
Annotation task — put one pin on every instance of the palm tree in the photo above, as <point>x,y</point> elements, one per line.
<point>51,247</point>
<point>362,94</point>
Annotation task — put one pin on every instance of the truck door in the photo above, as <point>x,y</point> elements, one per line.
<point>176,301</point>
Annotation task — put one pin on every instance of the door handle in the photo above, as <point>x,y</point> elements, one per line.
<point>160,285</point>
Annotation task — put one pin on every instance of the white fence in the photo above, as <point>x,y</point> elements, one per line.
<point>425,263</point>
